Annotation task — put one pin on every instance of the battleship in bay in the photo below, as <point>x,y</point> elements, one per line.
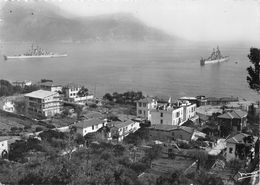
<point>215,57</point>
<point>35,52</point>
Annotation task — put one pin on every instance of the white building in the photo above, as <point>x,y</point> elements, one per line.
<point>144,107</point>
<point>71,90</point>
<point>43,103</point>
<point>22,83</point>
<point>173,114</point>
<point>71,94</point>
<point>120,130</point>
<point>8,106</point>
<point>89,126</point>
<point>4,149</point>
<point>5,142</point>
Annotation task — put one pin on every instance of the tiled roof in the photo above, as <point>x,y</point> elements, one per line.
<point>119,124</point>
<point>40,94</point>
<point>238,138</point>
<point>89,122</point>
<point>187,129</point>
<point>234,114</point>
<point>163,127</point>
<point>146,100</point>
<point>172,127</point>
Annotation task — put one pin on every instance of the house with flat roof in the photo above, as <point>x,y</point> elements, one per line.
<point>43,103</point>
<point>232,122</point>
<point>173,113</point>
<point>89,125</point>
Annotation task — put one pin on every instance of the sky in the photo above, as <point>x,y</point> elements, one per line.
<point>196,20</point>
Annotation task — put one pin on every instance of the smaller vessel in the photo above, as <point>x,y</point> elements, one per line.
<point>35,52</point>
<point>215,57</point>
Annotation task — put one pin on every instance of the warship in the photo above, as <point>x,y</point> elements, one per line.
<point>215,57</point>
<point>35,52</point>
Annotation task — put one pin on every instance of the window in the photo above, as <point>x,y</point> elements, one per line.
<point>140,104</point>
<point>161,114</point>
<point>144,112</point>
<point>144,104</point>
<point>161,121</point>
<point>230,150</point>
<point>177,114</point>
<point>139,111</point>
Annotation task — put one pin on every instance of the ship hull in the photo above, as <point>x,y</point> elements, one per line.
<point>35,56</point>
<point>203,62</point>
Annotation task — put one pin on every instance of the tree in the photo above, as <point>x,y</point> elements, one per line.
<point>83,92</point>
<point>253,72</point>
<point>108,97</point>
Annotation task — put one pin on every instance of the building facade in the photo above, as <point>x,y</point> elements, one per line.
<point>144,107</point>
<point>43,103</point>
<point>232,122</point>
<point>71,91</point>
<point>89,126</point>
<point>233,144</point>
<point>9,106</point>
<point>4,149</point>
<point>173,114</point>
<point>120,130</point>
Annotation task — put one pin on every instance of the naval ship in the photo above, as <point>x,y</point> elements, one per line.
<point>215,57</point>
<point>35,52</point>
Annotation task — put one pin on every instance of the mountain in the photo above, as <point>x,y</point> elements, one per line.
<point>40,21</point>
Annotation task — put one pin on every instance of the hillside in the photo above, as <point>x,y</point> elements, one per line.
<point>42,22</point>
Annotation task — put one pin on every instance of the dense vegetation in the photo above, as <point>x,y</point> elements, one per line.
<point>253,77</point>
<point>129,97</point>
<point>7,89</point>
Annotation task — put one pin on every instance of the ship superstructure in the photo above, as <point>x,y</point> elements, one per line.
<point>215,57</point>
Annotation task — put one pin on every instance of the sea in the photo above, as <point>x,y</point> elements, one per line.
<point>162,69</point>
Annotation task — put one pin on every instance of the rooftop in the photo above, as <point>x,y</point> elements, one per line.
<point>172,127</point>
<point>187,98</point>
<point>238,114</point>
<point>41,94</point>
<point>50,84</point>
<point>119,124</point>
<point>163,127</point>
<point>238,138</point>
<point>89,123</point>
<point>208,110</point>
<point>146,100</point>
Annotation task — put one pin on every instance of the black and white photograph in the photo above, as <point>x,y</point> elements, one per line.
<point>129,92</point>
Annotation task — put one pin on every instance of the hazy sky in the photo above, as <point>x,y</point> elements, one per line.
<point>207,20</point>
